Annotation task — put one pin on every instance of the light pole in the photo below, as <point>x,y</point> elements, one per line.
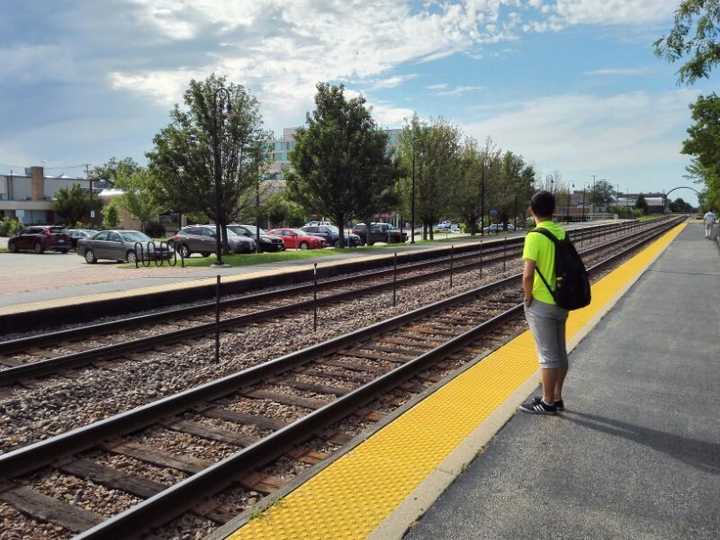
<point>583,204</point>
<point>412,202</point>
<point>217,140</point>
<point>482,197</point>
<point>567,213</point>
<point>257,201</point>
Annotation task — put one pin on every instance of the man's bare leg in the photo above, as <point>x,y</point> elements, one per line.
<point>557,391</point>
<point>550,379</point>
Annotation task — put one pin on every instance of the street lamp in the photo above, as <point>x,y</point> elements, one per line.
<point>257,201</point>
<point>482,197</point>
<point>567,213</point>
<point>412,202</point>
<point>217,134</point>
<point>583,204</point>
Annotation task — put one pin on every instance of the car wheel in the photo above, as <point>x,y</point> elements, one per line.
<point>205,253</point>
<point>38,247</point>
<point>12,247</point>
<point>303,245</point>
<point>90,257</point>
<point>185,251</point>
<point>131,257</point>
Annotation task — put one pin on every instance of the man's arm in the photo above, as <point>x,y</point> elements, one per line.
<point>527,281</point>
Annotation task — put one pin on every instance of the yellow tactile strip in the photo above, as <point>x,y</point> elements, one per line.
<point>351,497</point>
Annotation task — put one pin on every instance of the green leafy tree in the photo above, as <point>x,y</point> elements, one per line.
<point>437,151</point>
<point>641,204</point>
<point>695,37</point>
<point>703,144</point>
<point>110,216</point>
<point>680,206</point>
<point>183,158</point>
<point>282,212</point>
<point>114,168</point>
<point>139,195</point>
<point>75,205</point>
<point>340,164</point>
<point>602,194</point>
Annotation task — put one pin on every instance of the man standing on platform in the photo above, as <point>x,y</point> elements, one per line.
<point>710,219</point>
<point>545,318</point>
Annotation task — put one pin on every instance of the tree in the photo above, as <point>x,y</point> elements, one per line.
<point>74,204</point>
<point>139,195</point>
<point>437,152</point>
<point>602,194</point>
<point>110,216</point>
<point>680,206</point>
<point>282,212</point>
<point>340,164</point>
<point>694,34</point>
<point>114,168</point>
<point>183,159</point>
<point>703,144</point>
<point>641,204</point>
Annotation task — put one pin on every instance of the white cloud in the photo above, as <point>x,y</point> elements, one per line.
<point>458,90</point>
<point>609,72</point>
<point>578,133</point>
<point>440,86</point>
<point>559,14</point>
<point>280,50</point>
<point>392,82</point>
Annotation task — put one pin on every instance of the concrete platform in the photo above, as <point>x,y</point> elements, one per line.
<point>637,454</point>
<point>382,485</point>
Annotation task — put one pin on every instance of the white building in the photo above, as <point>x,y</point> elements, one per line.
<point>29,197</point>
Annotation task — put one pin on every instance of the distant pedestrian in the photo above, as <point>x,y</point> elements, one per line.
<point>710,219</point>
<point>545,318</point>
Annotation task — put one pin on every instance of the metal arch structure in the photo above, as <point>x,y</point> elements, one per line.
<point>665,195</point>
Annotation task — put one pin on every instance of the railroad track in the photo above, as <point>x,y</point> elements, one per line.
<point>196,454</point>
<point>40,355</point>
<point>107,328</point>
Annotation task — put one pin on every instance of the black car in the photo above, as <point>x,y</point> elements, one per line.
<point>380,232</point>
<point>331,234</point>
<point>40,238</point>
<point>79,234</point>
<point>268,242</point>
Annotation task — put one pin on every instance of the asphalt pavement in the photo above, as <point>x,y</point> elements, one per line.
<point>637,453</point>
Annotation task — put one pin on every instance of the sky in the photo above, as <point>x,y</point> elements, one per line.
<point>571,85</point>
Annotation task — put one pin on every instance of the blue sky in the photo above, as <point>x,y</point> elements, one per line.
<point>572,85</point>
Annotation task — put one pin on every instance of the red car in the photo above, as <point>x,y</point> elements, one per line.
<point>40,238</point>
<point>298,239</point>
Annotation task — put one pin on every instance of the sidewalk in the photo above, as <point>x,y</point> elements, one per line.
<point>637,454</point>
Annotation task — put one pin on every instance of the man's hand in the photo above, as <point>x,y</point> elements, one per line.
<point>527,281</point>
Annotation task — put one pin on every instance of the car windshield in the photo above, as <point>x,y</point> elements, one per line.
<point>57,230</point>
<point>252,229</point>
<point>135,236</point>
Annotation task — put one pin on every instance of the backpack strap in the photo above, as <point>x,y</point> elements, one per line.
<point>551,236</point>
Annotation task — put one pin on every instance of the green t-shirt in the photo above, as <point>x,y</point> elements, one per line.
<point>540,249</point>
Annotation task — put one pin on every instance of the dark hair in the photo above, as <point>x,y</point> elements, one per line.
<point>543,204</point>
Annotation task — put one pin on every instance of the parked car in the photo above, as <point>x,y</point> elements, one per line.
<point>77,234</point>
<point>316,223</point>
<point>267,242</point>
<point>298,239</point>
<point>119,245</point>
<point>331,234</point>
<point>498,228</point>
<point>379,232</point>
<point>40,238</point>
<point>201,239</point>
<point>447,226</point>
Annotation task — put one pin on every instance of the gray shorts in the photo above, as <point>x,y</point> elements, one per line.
<point>547,324</point>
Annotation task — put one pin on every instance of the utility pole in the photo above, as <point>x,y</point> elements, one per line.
<point>592,199</point>
<point>583,204</point>
<point>92,197</point>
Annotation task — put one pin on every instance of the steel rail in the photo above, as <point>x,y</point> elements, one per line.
<point>41,453</point>
<point>182,496</point>
<point>481,250</point>
<point>47,366</point>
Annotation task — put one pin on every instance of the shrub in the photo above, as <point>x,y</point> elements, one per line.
<point>154,230</point>
<point>110,216</point>
<point>10,226</point>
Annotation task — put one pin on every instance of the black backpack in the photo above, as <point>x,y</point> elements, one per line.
<point>572,286</point>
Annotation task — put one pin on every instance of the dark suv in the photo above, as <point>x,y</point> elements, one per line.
<point>268,242</point>
<point>331,234</point>
<point>40,238</point>
<point>380,232</point>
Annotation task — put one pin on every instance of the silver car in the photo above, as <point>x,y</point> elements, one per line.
<point>201,239</point>
<point>119,245</point>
